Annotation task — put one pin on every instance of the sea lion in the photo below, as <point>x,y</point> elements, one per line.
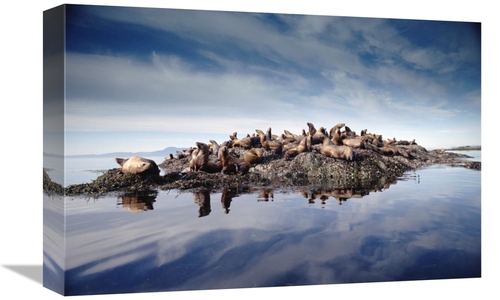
<point>337,137</point>
<point>214,147</point>
<point>255,140</point>
<point>348,132</point>
<point>245,142</point>
<point>269,145</point>
<point>389,142</point>
<point>197,160</point>
<point>288,134</point>
<point>233,136</point>
<point>231,164</point>
<point>338,126</point>
<point>254,155</point>
<point>200,160</point>
<point>178,155</point>
<point>269,135</point>
<point>138,165</point>
<point>188,152</point>
<point>404,142</point>
<point>354,142</point>
<point>303,146</point>
<point>317,137</point>
<point>384,150</point>
<point>342,152</point>
<point>373,139</point>
<point>330,150</point>
<point>287,139</point>
<point>312,129</point>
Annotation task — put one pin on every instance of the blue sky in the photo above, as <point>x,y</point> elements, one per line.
<point>145,79</point>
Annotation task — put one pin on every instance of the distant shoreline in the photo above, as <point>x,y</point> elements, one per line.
<point>464,148</point>
<point>168,150</point>
<point>165,152</point>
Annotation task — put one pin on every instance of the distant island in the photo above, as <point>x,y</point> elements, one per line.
<point>464,148</point>
<point>165,152</point>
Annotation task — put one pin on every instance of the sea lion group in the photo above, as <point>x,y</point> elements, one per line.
<point>335,143</point>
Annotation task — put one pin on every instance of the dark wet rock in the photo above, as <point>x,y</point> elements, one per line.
<point>51,187</point>
<point>367,170</point>
<point>114,180</point>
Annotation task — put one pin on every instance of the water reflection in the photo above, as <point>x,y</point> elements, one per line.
<point>137,202</point>
<point>271,237</point>
<point>340,194</point>
<point>227,197</point>
<point>265,195</point>
<point>202,198</point>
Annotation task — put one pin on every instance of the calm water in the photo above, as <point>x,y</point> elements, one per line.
<point>83,170</point>
<point>425,226</point>
<point>475,155</point>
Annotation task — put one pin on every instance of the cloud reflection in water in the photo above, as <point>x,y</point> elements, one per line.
<point>193,241</point>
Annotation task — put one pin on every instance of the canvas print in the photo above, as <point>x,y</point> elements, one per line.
<point>198,150</point>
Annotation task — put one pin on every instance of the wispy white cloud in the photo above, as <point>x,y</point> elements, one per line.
<point>283,71</point>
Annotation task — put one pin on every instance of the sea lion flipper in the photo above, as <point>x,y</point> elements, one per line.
<point>121,161</point>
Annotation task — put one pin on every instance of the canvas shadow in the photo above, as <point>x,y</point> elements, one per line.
<point>33,272</point>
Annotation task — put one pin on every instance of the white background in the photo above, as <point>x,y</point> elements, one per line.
<point>21,174</point>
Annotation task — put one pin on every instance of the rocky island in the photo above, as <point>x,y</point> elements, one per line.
<point>339,159</point>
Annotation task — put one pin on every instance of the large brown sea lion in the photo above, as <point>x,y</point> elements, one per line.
<point>197,160</point>
<point>231,164</point>
<point>137,164</point>
<point>254,155</point>
<point>342,152</point>
<point>354,143</point>
<point>330,150</point>
<point>317,135</point>
<point>200,160</point>
<point>245,142</point>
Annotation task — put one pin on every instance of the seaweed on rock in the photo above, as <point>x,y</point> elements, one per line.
<point>368,169</point>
